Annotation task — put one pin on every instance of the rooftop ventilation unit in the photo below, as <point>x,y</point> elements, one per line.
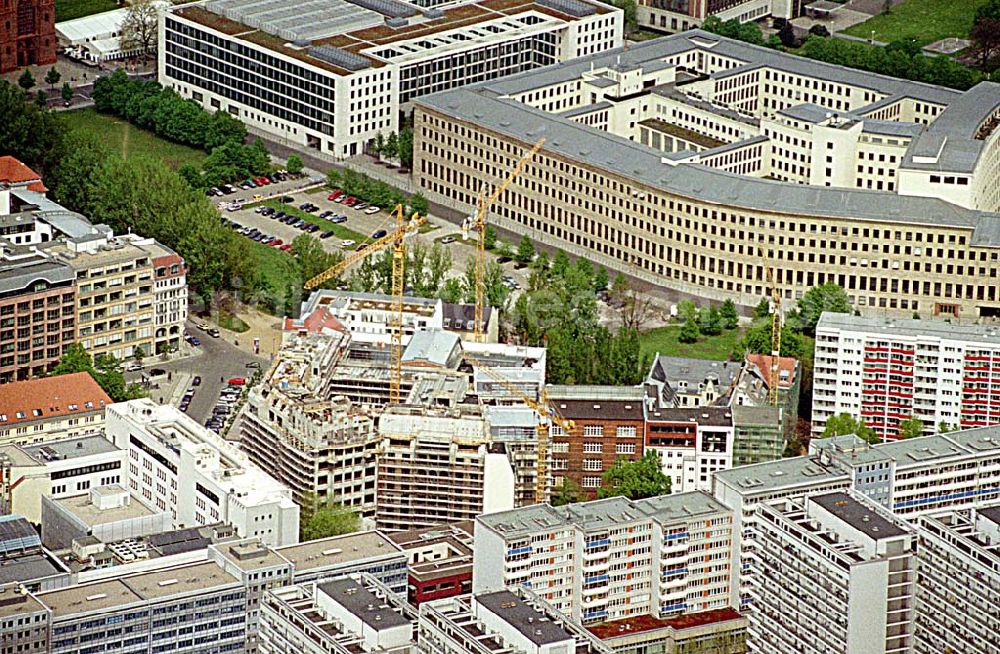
<point>571,7</point>
<point>389,8</point>
<point>338,57</point>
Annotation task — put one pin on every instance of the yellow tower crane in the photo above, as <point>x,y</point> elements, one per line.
<point>774,377</point>
<point>477,223</point>
<point>545,410</point>
<point>397,239</point>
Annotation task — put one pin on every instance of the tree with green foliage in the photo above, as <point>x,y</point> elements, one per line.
<point>568,492</point>
<point>635,480</point>
<point>689,332</point>
<point>525,250</point>
<point>26,81</point>
<point>844,424</point>
<point>943,427</point>
<point>709,322</point>
<point>985,35</point>
<point>391,148</point>
<point>426,268</point>
<point>311,258</point>
<point>378,147</point>
<point>687,310</point>
<point>541,262</point>
<point>818,299</point>
<point>490,237</point>
<point>106,370</point>
<point>326,519</point>
<point>757,340</point>
<point>787,36</point>
<point>734,29</point>
<point>729,315</point>
<point>406,147</point>
<point>911,428</point>
<point>762,310</point>
<point>819,30</point>
<point>41,99</point>
<point>451,291</point>
<point>294,164</point>
<point>52,78</point>
<point>419,204</point>
<point>601,279</point>
<point>66,92</point>
<point>138,354</point>
<point>138,28</point>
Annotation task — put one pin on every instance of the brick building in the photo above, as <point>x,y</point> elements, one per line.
<point>609,424</point>
<point>27,33</point>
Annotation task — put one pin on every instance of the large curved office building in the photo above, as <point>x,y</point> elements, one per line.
<point>695,161</point>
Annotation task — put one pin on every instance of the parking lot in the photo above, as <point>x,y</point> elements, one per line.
<point>360,223</point>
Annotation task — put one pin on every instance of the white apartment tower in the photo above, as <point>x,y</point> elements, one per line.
<point>884,371</point>
<point>176,464</point>
<point>832,573</point>
<point>958,574</point>
<point>611,559</point>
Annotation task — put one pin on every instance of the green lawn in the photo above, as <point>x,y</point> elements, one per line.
<point>276,267</point>
<point>664,340</point>
<point>339,231</point>
<point>924,20</point>
<point>129,139</point>
<point>70,9</point>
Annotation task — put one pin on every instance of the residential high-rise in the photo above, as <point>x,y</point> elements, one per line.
<point>170,298</point>
<point>958,581</point>
<point>612,559</point>
<point>832,573</point>
<point>909,477</point>
<point>886,370</point>
<point>177,465</point>
<point>692,443</point>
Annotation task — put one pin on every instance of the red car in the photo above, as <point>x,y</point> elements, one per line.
<point>286,247</point>
<point>333,196</point>
<point>262,181</point>
<point>351,201</point>
<point>237,381</point>
<point>276,242</point>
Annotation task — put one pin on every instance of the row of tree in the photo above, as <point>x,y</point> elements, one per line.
<point>106,370</point>
<point>710,321</point>
<point>374,191</point>
<point>395,147</point>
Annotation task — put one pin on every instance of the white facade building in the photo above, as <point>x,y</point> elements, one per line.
<point>176,464</point>
<point>958,568</point>
<point>692,444</point>
<point>611,559</point>
<point>331,77</point>
<point>884,371</point>
<point>832,573</point>
<point>59,469</point>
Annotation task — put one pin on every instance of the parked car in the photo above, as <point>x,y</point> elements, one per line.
<point>359,206</point>
<point>287,199</point>
<point>133,367</point>
<point>193,340</point>
<point>448,239</point>
<point>338,219</point>
<point>379,234</point>
<point>237,381</point>
<point>196,381</point>
<point>327,234</point>
<point>214,333</point>
<point>276,242</point>
<point>304,205</point>
<point>326,214</point>
<point>286,247</point>
<point>350,200</point>
<point>347,243</point>
<point>336,194</point>
<point>372,210</point>
<point>504,260</point>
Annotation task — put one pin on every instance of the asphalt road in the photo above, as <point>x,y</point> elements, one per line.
<point>218,362</point>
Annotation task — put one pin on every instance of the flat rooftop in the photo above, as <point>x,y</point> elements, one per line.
<point>70,448</point>
<point>13,603</point>
<point>363,603</point>
<point>81,507</point>
<point>628,626</point>
<point>857,515</point>
<point>251,555</point>
<point>524,617</point>
<point>181,580</point>
<point>339,550</point>
<point>921,330</point>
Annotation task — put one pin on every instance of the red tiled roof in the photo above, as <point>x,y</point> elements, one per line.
<point>785,364</point>
<point>315,323</point>
<point>13,171</point>
<point>50,397</point>
<point>649,623</point>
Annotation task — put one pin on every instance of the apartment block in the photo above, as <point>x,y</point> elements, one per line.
<point>51,408</point>
<point>58,469</point>
<point>958,578</point>
<point>886,370</point>
<point>438,466</point>
<point>356,614</point>
<point>692,444</point>
<point>331,77</point>
<point>832,573</point>
<point>612,559</point>
<point>316,443</point>
<point>838,171</point>
<point>717,631</point>
<point>170,298</point>
<point>177,465</point>
<point>910,478</point>
<point>610,425</point>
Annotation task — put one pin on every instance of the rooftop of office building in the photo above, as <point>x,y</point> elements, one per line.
<point>87,511</point>
<point>858,515</point>
<point>363,603</point>
<point>524,617</point>
<point>69,448</point>
<point>338,550</point>
<point>452,545</point>
<point>492,106</point>
<point>346,36</point>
